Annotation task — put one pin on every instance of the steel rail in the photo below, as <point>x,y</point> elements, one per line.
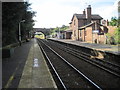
<point>53,67</point>
<point>91,62</point>
<point>94,84</point>
<point>89,55</point>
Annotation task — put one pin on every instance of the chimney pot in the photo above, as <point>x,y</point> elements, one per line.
<point>89,6</point>
<point>84,12</point>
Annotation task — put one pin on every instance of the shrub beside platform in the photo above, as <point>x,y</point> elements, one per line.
<point>8,51</point>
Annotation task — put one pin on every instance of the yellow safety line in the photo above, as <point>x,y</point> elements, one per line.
<point>10,80</point>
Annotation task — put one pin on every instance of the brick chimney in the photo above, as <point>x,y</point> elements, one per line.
<point>107,23</point>
<point>84,12</point>
<point>88,15</point>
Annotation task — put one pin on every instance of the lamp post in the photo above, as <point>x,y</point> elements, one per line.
<point>20,31</point>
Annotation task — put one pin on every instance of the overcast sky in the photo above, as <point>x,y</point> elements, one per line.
<point>53,13</point>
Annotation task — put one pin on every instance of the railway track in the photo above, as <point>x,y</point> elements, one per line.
<point>66,71</point>
<point>105,65</point>
<point>56,61</point>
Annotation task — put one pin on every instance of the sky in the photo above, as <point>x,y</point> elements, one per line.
<point>55,13</point>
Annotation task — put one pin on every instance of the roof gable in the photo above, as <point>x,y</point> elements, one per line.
<point>83,16</point>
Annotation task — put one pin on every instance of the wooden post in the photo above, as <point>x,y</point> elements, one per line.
<point>78,35</point>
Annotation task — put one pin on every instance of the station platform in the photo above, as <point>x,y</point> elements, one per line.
<point>36,73</point>
<point>100,47</point>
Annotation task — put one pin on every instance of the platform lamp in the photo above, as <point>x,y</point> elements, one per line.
<point>20,31</point>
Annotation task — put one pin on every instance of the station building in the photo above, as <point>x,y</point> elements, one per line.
<point>88,27</point>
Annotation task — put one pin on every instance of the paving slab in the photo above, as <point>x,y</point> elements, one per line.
<point>36,73</point>
<point>13,66</point>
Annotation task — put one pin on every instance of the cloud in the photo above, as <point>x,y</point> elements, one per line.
<point>107,11</point>
<point>52,13</point>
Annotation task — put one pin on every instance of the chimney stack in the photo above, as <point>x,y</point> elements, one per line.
<point>107,23</point>
<point>88,15</point>
<point>84,12</point>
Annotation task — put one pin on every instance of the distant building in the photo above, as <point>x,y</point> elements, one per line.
<point>88,27</point>
<point>79,20</point>
<point>91,35</point>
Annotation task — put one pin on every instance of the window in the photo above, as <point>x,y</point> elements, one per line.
<point>74,22</point>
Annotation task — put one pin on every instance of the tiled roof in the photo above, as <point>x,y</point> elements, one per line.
<point>82,16</point>
<point>88,25</point>
<point>95,16</point>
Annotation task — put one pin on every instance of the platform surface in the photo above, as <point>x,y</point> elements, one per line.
<point>13,66</point>
<point>101,47</point>
<point>36,73</point>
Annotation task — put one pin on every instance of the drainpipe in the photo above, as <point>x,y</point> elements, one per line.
<point>96,29</point>
<point>84,34</point>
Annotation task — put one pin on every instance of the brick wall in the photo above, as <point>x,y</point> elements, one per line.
<point>111,29</point>
<point>88,37</point>
<point>81,23</point>
<point>75,28</point>
<point>102,38</point>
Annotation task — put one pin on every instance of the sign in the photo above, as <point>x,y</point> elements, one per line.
<point>95,31</point>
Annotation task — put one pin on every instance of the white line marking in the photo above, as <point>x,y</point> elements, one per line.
<point>36,62</point>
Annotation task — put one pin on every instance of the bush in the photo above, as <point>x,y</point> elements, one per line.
<point>117,35</point>
<point>110,39</point>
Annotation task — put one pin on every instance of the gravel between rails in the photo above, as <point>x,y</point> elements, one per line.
<point>68,75</point>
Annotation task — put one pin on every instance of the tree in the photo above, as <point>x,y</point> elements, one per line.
<point>12,14</point>
<point>57,29</point>
<point>114,21</point>
<point>114,39</point>
<point>63,28</point>
<point>117,35</point>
